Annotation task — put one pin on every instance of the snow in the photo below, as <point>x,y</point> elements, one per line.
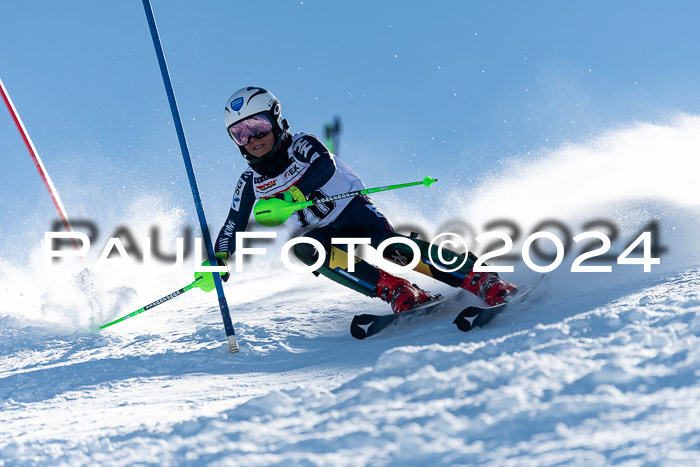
<point>600,384</point>
<point>593,369</point>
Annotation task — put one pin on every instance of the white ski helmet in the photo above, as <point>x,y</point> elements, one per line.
<point>250,101</point>
<point>253,100</point>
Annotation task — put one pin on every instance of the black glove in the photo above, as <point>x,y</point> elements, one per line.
<point>222,260</point>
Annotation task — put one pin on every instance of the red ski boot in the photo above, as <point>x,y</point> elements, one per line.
<point>399,292</point>
<point>488,286</point>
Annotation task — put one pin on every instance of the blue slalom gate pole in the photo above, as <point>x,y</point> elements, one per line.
<point>223,306</point>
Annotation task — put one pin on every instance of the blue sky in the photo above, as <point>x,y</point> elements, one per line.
<point>449,89</point>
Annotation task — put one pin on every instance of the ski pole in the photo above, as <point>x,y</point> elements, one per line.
<point>274,211</point>
<point>38,162</point>
<point>154,304</point>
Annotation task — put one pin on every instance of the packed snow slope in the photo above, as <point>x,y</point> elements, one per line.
<point>593,369</point>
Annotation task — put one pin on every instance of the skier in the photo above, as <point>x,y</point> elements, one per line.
<point>297,167</point>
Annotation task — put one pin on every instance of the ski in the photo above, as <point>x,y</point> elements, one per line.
<point>366,325</point>
<point>473,316</point>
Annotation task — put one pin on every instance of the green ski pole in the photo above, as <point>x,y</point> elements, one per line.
<point>203,280</point>
<point>154,304</point>
<point>274,211</point>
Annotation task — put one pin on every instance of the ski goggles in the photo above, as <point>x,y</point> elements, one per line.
<point>256,126</point>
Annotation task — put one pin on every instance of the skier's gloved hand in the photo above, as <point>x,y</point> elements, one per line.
<point>205,280</point>
<point>292,195</point>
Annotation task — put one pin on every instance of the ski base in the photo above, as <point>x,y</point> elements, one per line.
<point>478,316</point>
<point>366,325</point>
<point>474,316</point>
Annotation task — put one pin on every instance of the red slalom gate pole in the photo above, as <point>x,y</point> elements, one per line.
<point>37,161</point>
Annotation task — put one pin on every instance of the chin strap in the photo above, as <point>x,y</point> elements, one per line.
<point>279,142</point>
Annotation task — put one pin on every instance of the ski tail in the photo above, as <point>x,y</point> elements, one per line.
<point>478,316</point>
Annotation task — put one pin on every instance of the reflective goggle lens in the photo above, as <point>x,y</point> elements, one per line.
<point>256,126</point>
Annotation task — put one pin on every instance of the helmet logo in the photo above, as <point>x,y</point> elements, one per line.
<point>276,110</point>
<point>236,104</point>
